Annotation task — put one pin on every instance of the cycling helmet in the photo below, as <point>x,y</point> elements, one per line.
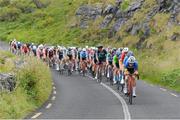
<point>41,46</point>
<point>130,53</point>
<point>131,59</point>
<point>100,46</point>
<point>118,53</point>
<point>84,49</point>
<point>126,49</point>
<point>79,49</point>
<point>121,49</point>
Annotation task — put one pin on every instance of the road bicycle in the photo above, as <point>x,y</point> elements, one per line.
<point>130,85</point>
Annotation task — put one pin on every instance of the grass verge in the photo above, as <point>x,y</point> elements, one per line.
<point>32,90</point>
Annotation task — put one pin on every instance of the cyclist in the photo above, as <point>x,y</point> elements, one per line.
<point>34,48</point>
<point>123,55</point>
<point>25,49</point>
<point>116,66</point>
<point>14,46</point>
<point>19,45</point>
<point>83,59</point>
<point>101,58</point>
<point>70,58</point>
<point>50,56</point>
<point>39,51</point>
<point>131,67</point>
<point>109,61</point>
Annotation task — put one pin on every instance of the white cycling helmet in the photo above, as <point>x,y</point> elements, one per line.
<point>126,49</point>
<point>84,49</point>
<point>131,59</point>
<point>41,46</point>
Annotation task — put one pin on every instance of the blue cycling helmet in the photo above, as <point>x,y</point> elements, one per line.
<point>130,53</point>
<point>118,53</point>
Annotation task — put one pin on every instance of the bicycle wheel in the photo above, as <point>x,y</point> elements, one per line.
<point>130,92</point>
<point>100,76</point>
<point>118,85</point>
<point>111,76</point>
<point>130,98</point>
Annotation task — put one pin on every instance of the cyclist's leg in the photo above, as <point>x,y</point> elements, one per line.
<point>125,83</point>
<point>134,85</point>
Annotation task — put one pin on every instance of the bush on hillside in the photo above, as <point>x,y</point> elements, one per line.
<point>33,87</point>
<point>24,5</point>
<point>9,14</point>
<point>171,78</point>
<point>4,3</point>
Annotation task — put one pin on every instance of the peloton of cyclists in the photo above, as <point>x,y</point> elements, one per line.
<point>121,61</point>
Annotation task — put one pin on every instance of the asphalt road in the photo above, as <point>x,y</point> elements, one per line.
<point>78,97</point>
<point>83,98</point>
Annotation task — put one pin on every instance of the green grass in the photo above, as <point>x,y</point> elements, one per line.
<point>33,87</point>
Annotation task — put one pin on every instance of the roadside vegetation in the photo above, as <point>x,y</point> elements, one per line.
<point>33,86</point>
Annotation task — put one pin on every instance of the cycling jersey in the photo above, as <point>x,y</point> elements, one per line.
<point>116,61</point>
<point>102,55</point>
<point>19,45</point>
<point>109,57</point>
<point>25,49</point>
<point>69,54</point>
<point>83,55</point>
<point>61,55</point>
<point>125,60</point>
<point>95,59</point>
<point>133,68</point>
<point>123,56</point>
<point>51,53</point>
<point>79,52</point>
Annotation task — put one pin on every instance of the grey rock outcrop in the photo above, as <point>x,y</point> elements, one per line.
<point>7,82</point>
<point>122,17</point>
<point>175,37</point>
<point>86,13</point>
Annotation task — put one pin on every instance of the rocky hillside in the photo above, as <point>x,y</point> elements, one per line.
<point>150,27</point>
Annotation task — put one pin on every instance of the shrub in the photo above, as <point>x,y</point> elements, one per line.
<point>4,3</point>
<point>9,14</point>
<point>33,87</point>
<point>172,78</point>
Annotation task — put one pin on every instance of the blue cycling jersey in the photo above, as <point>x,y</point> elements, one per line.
<point>110,57</point>
<point>132,68</point>
<point>83,54</point>
<point>125,60</point>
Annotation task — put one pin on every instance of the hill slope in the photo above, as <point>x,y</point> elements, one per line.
<point>149,27</point>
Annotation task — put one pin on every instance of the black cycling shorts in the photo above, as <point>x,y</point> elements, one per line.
<point>83,58</point>
<point>117,65</point>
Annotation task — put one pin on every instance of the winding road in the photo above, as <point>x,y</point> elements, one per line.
<point>77,97</point>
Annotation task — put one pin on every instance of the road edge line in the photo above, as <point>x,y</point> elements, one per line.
<point>127,115</point>
<point>36,115</point>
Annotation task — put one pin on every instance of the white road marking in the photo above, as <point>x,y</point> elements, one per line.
<point>174,94</point>
<point>163,89</point>
<point>54,92</point>
<point>91,77</point>
<point>48,106</point>
<point>36,115</point>
<point>53,98</point>
<point>54,88</point>
<point>127,115</point>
